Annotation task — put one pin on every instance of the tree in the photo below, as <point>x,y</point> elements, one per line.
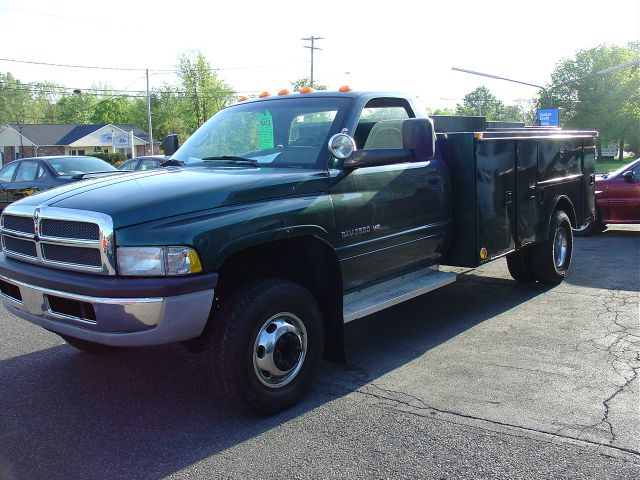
<point>306,82</point>
<point>110,110</point>
<point>15,100</point>
<point>76,108</point>
<point>484,103</point>
<point>203,92</point>
<point>609,102</point>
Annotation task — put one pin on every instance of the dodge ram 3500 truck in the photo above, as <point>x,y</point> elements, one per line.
<point>283,217</point>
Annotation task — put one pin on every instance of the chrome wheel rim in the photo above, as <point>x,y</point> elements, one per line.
<point>279,350</point>
<point>560,247</point>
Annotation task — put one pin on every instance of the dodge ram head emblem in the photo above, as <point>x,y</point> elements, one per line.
<point>36,217</point>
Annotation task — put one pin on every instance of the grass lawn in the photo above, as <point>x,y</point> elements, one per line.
<point>610,165</point>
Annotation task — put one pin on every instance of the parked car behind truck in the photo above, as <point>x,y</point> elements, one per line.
<point>27,176</point>
<point>285,217</point>
<point>617,199</point>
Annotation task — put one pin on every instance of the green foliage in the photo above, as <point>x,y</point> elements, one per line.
<point>607,102</point>
<point>306,82</point>
<point>110,110</point>
<point>112,158</point>
<point>179,108</point>
<point>482,102</point>
<point>204,94</point>
<point>443,111</point>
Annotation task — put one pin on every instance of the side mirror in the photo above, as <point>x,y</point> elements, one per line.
<point>341,145</point>
<point>170,144</point>
<point>418,135</point>
<point>628,175</point>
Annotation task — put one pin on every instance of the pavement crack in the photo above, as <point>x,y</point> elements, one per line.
<point>620,343</point>
<point>416,406</point>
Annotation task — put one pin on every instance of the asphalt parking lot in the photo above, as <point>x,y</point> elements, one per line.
<point>484,378</point>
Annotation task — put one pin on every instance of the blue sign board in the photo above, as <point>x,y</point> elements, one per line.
<point>548,117</point>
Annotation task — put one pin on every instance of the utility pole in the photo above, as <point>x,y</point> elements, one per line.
<point>149,114</point>
<point>312,39</point>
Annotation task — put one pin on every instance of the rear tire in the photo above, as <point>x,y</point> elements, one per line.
<point>87,346</point>
<point>519,264</point>
<point>550,259</point>
<point>266,345</point>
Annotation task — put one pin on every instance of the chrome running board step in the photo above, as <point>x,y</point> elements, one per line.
<point>382,295</point>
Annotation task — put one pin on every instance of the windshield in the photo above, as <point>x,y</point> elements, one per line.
<point>77,165</point>
<point>284,132</point>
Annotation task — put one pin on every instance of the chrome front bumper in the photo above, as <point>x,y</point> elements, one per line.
<point>124,322</point>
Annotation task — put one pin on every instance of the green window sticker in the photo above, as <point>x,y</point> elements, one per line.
<point>265,130</point>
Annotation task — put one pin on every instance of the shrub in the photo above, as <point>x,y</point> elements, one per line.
<point>113,158</point>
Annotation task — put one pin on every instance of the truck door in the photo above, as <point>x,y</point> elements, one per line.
<point>22,184</point>
<point>526,208</point>
<point>495,196</point>
<point>387,216</point>
<point>6,176</point>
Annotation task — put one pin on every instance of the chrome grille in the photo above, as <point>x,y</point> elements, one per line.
<point>19,224</point>
<point>59,237</point>
<point>72,255</point>
<point>19,246</point>
<point>68,229</point>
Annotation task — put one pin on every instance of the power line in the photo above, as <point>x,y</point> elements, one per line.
<point>156,71</point>
<point>100,92</point>
<point>80,66</point>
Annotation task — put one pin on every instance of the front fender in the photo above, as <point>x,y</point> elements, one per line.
<point>217,233</point>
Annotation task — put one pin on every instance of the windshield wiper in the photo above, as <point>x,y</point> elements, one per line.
<point>231,158</point>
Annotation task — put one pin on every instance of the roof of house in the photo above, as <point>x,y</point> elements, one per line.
<point>47,134</point>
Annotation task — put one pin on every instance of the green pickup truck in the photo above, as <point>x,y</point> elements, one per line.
<point>284,217</point>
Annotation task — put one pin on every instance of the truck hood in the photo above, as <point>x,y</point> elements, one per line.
<point>151,195</point>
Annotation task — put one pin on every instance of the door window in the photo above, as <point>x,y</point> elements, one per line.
<point>130,165</point>
<point>380,123</point>
<point>148,164</point>
<point>27,172</point>
<point>6,174</point>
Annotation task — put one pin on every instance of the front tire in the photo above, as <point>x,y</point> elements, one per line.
<point>266,345</point>
<point>551,259</point>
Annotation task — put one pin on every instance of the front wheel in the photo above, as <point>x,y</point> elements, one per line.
<point>551,259</point>
<point>266,345</point>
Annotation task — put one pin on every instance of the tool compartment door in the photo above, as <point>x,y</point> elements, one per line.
<point>495,196</point>
<point>526,192</point>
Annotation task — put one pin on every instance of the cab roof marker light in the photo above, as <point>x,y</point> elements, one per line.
<point>307,90</point>
<point>264,94</point>
<point>344,88</point>
<point>284,91</point>
<point>243,99</point>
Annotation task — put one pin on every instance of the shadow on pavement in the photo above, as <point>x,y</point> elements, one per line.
<point>148,413</point>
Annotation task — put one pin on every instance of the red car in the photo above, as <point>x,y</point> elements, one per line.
<point>617,199</point>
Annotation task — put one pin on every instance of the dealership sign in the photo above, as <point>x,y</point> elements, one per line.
<point>548,117</point>
<point>117,139</point>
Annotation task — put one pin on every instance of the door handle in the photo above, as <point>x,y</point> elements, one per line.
<point>508,197</point>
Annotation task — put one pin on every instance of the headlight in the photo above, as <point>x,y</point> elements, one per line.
<point>157,261</point>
